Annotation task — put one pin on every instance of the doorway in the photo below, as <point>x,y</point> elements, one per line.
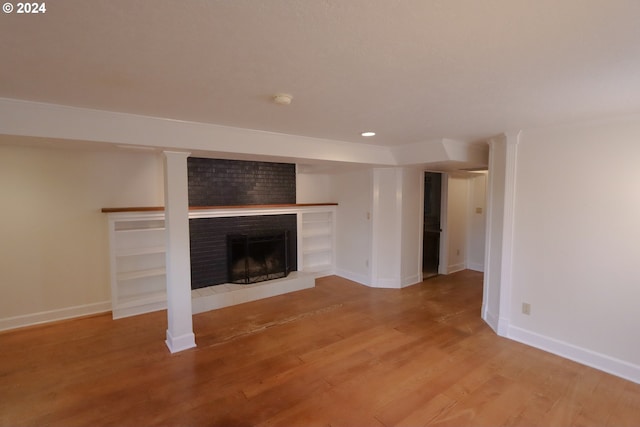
<point>431,225</point>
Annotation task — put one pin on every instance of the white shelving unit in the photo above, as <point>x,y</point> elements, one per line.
<point>317,241</point>
<point>138,282</point>
<point>138,255</point>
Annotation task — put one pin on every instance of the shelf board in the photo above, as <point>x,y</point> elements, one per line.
<point>318,250</point>
<point>317,267</point>
<point>142,299</point>
<point>138,230</point>
<point>316,221</point>
<point>319,233</point>
<point>139,274</point>
<point>140,251</point>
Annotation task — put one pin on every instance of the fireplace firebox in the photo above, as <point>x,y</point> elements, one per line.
<point>257,257</point>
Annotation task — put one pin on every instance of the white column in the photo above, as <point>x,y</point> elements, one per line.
<point>496,300</point>
<point>176,199</point>
<point>386,236</point>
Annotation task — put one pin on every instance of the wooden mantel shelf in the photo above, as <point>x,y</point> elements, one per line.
<point>196,208</point>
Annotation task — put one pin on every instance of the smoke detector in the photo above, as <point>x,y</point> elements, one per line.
<point>282,98</point>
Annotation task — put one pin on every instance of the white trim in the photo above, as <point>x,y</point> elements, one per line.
<point>178,266</point>
<point>375,202</point>
<point>506,275</point>
<point>54,315</point>
<point>354,277</point>
<point>414,279</point>
<point>475,266</point>
<point>180,343</point>
<point>98,126</point>
<point>421,225</point>
<point>611,365</point>
<point>444,224</point>
<point>504,324</point>
<point>488,317</point>
<point>387,283</point>
<point>455,267</point>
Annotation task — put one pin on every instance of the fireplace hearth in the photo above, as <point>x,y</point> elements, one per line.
<point>257,257</point>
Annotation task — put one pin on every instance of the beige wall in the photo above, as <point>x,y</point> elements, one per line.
<point>53,237</point>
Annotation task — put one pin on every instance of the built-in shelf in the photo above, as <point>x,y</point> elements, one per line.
<point>137,249</point>
<point>137,252</point>
<point>317,239</point>
<point>128,252</point>
<point>139,274</point>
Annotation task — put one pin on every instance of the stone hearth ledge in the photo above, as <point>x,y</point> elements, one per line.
<point>228,294</point>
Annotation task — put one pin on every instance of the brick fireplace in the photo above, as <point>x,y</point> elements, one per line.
<point>219,182</point>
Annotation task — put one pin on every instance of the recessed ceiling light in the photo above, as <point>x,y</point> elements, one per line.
<point>369,133</point>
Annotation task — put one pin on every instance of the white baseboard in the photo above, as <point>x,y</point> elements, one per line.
<point>454,268</point>
<point>54,315</point>
<point>491,320</point>
<point>611,365</point>
<point>380,283</point>
<point>355,277</point>
<point>386,283</point>
<point>411,280</point>
<point>180,343</point>
<point>476,266</point>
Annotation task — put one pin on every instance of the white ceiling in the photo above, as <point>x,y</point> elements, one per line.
<point>411,70</point>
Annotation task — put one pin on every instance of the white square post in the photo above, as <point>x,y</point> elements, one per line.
<point>180,334</point>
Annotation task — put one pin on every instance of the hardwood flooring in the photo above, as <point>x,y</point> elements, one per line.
<point>340,354</point>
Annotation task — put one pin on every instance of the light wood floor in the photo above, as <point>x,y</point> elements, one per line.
<point>340,354</point>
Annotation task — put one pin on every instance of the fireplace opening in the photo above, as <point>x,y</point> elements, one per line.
<point>257,257</point>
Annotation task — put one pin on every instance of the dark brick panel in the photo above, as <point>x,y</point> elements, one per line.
<point>218,182</point>
<point>208,239</point>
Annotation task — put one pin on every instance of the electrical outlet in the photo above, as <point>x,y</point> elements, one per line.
<point>478,210</point>
<point>526,308</point>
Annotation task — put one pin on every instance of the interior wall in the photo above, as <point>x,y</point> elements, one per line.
<point>54,252</point>
<point>457,217</point>
<point>313,188</point>
<point>412,207</point>
<point>477,221</point>
<point>353,193</point>
<point>576,234</point>
<point>496,188</point>
<point>387,227</point>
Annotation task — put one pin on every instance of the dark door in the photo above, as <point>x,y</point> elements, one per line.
<point>431,238</point>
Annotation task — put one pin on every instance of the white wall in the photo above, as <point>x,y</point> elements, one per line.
<point>476,221</point>
<point>576,236</point>
<point>496,189</point>
<point>457,218</point>
<point>379,226</point>
<point>412,207</point>
<point>387,227</point>
<point>353,193</point>
<point>313,188</point>
<point>54,242</point>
